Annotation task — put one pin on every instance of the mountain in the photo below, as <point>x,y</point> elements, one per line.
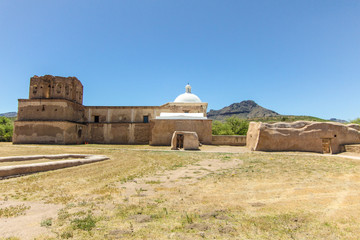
<point>8,114</point>
<point>338,120</point>
<point>244,109</point>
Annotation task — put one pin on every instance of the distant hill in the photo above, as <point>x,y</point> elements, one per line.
<point>287,118</point>
<point>9,114</point>
<point>338,120</point>
<point>245,109</point>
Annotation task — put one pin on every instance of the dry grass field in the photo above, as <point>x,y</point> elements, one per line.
<point>146,192</point>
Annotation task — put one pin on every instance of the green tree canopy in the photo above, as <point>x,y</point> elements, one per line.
<point>6,129</point>
<point>357,120</point>
<point>231,126</point>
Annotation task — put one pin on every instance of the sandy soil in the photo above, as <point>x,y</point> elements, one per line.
<point>147,186</point>
<point>28,226</point>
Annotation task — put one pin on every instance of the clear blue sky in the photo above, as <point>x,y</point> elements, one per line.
<point>295,57</point>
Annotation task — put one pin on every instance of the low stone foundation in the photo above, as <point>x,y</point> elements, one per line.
<point>355,148</point>
<point>14,170</point>
<point>231,140</point>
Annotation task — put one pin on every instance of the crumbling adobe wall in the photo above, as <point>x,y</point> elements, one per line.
<point>301,136</point>
<point>48,132</point>
<point>56,87</point>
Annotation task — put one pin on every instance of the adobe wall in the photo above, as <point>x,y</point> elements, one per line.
<point>232,140</point>
<point>55,87</point>
<point>161,130</point>
<point>190,140</point>
<point>121,114</point>
<point>54,112</point>
<point>48,132</point>
<point>118,133</point>
<point>301,136</point>
<point>135,114</point>
<point>50,109</point>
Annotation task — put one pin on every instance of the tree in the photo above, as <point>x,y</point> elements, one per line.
<point>219,128</point>
<point>357,121</point>
<point>6,129</point>
<point>237,125</point>
<point>231,126</point>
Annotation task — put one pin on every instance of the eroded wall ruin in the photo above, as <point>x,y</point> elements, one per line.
<point>321,137</point>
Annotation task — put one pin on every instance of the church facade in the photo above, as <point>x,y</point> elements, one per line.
<point>55,114</point>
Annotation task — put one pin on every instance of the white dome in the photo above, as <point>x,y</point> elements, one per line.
<point>188,97</point>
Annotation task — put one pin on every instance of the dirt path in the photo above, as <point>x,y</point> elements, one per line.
<point>147,186</point>
<point>337,204</point>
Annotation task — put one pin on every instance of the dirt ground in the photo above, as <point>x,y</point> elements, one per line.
<point>320,193</point>
<point>28,225</point>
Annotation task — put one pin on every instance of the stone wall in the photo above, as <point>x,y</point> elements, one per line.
<point>161,130</point>
<point>48,132</point>
<point>232,140</point>
<point>118,133</point>
<point>318,137</point>
<point>355,148</point>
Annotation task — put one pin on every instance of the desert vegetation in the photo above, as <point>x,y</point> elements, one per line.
<point>357,121</point>
<point>257,196</point>
<point>6,129</point>
<point>231,126</point>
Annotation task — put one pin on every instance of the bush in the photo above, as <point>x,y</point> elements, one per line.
<point>6,129</point>
<point>357,121</point>
<point>85,224</point>
<point>231,126</point>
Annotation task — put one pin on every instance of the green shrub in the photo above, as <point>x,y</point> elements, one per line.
<point>85,224</point>
<point>46,223</point>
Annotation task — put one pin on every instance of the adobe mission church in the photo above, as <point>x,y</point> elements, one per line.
<point>55,114</point>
